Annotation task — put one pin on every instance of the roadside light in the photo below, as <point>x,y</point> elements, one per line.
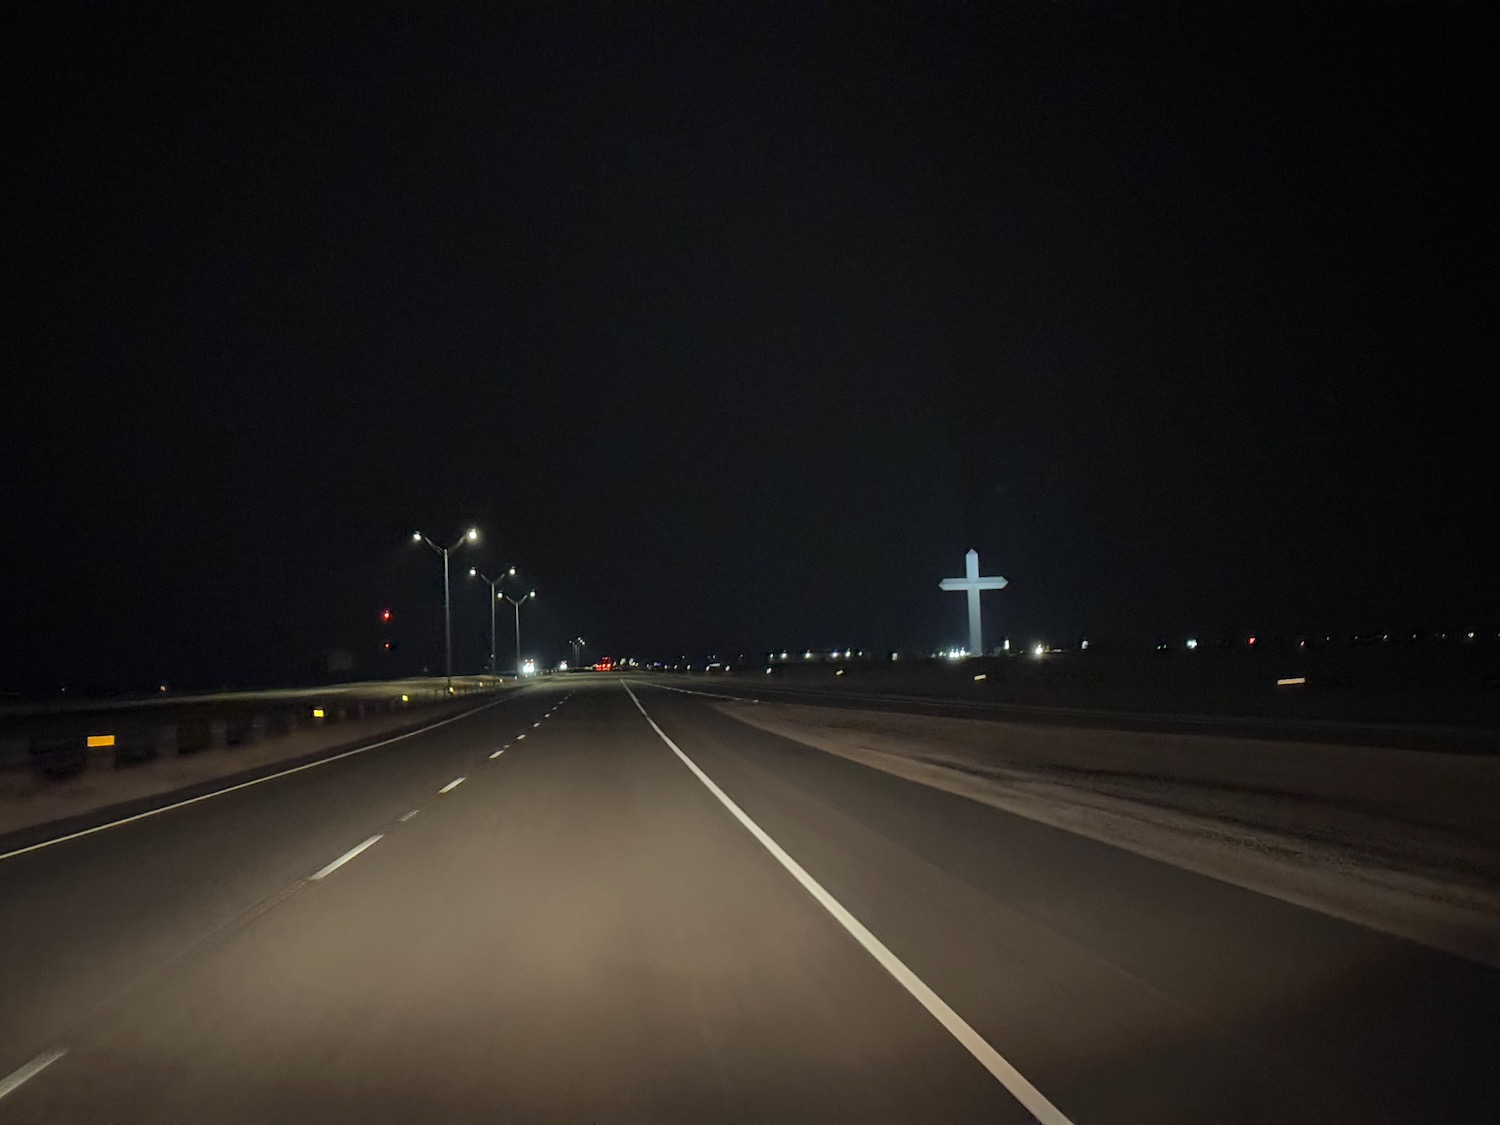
<point>472,535</point>
<point>385,615</point>
<point>416,537</point>
<point>511,572</point>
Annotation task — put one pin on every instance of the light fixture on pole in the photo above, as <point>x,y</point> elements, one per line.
<point>495,595</point>
<point>470,536</point>
<point>517,603</point>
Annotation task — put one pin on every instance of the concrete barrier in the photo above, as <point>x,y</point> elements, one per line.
<point>63,744</point>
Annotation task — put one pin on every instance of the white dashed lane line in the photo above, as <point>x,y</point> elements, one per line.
<point>409,815</point>
<point>496,754</point>
<point>346,857</point>
<point>452,785</point>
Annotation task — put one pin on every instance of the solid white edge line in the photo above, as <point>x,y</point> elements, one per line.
<point>30,1070</point>
<point>346,857</point>
<point>1012,1079</point>
<point>246,784</point>
<point>452,785</point>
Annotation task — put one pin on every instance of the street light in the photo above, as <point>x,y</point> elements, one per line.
<point>495,595</point>
<point>470,536</point>
<point>517,603</point>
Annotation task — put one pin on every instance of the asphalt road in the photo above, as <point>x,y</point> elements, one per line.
<point>583,930</point>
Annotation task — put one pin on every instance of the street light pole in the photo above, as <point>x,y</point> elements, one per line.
<point>495,595</point>
<point>517,603</point>
<point>469,536</point>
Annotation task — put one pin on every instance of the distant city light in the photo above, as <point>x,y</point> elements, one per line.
<point>1039,650</point>
<point>1085,644</point>
<point>562,665</point>
<point>1192,642</point>
<point>1006,646</point>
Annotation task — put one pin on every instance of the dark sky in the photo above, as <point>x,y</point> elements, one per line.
<point>734,326</point>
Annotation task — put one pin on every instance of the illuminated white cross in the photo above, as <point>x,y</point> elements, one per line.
<point>972,583</point>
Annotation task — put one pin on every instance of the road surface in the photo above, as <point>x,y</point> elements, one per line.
<point>582,928</point>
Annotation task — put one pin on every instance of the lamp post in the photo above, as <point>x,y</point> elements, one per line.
<point>517,603</point>
<point>495,595</point>
<point>470,536</point>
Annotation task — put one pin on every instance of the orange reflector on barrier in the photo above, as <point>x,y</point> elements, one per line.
<point>101,740</point>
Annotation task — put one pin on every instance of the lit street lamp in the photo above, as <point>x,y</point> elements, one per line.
<point>517,603</point>
<point>495,595</point>
<point>470,536</point>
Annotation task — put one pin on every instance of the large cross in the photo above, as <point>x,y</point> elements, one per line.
<point>972,583</point>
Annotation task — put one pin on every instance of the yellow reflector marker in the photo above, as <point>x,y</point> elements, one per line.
<point>101,740</point>
<point>405,699</point>
<point>317,712</point>
<point>1291,680</point>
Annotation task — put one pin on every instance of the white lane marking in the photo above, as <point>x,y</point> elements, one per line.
<point>346,857</point>
<point>30,1070</point>
<point>452,785</point>
<point>246,784</point>
<point>496,754</point>
<point>1012,1079</point>
<point>704,694</point>
<point>519,737</point>
<point>535,725</point>
<point>409,815</point>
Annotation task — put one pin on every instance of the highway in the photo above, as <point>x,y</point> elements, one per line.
<point>599,900</point>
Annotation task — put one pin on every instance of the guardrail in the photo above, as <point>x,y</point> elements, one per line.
<point>62,744</point>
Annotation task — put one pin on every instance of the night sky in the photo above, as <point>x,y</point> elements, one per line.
<point>734,326</point>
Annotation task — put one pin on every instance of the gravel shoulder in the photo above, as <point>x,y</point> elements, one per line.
<point>1403,841</point>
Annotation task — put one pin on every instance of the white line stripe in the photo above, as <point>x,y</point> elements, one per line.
<point>519,737</point>
<point>345,858</point>
<point>409,815</point>
<point>247,784</point>
<point>496,754</point>
<point>452,785</point>
<point>1024,1092</point>
<point>30,1070</point>
<point>535,725</point>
